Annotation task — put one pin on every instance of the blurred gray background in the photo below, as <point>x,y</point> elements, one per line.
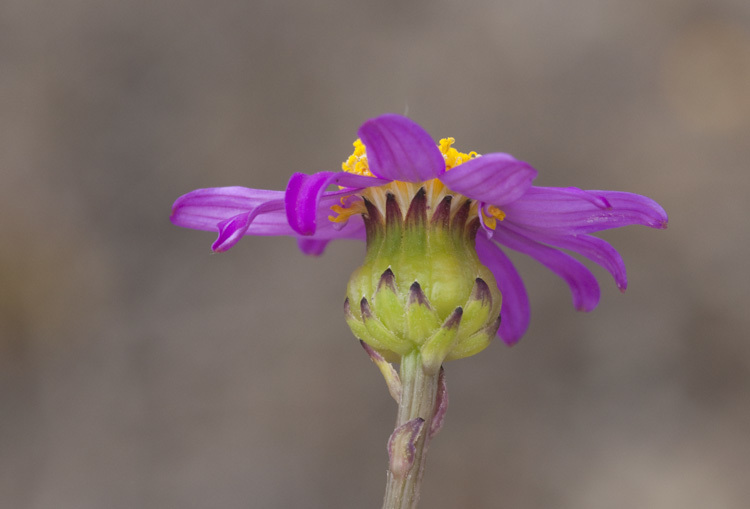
<point>137,370</point>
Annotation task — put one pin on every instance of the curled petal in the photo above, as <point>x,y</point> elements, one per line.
<point>399,149</point>
<point>496,179</point>
<point>231,231</point>
<point>238,211</point>
<point>574,211</point>
<point>583,285</point>
<point>304,192</point>
<point>514,310</point>
<point>204,209</point>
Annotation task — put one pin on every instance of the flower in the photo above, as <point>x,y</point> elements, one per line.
<point>394,161</point>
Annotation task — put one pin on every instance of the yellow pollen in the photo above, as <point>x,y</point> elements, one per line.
<point>452,156</point>
<point>357,164</point>
<point>344,212</point>
<point>492,215</point>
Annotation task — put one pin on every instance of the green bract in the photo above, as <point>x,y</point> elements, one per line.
<point>422,286</point>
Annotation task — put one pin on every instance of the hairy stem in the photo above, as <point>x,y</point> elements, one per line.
<point>418,400</point>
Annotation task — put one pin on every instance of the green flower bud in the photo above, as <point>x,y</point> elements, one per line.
<point>422,286</point>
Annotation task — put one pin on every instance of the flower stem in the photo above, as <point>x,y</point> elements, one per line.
<point>418,404</point>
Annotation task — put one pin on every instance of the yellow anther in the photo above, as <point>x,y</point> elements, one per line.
<point>343,213</point>
<point>452,156</point>
<point>492,215</point>
<point>357,162</point>
<point>404,191</point>
<point>496,212</point>
<point>445,144</point>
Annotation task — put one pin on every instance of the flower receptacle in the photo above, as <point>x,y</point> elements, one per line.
<point>422,286</point>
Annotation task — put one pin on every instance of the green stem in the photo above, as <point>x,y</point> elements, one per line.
<point>418,399</point>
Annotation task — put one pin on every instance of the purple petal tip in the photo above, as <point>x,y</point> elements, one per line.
<point>400,149</point>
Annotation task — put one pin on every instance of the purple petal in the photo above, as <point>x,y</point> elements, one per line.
<point>238,211</point>
<point>354,228</point>
<point>496,179</point>
<point>203,209</point>
<point>312,247</point>
<point>399,149</point>
<point>327,230</point>
<point>234,228</point>
<point>485,229</point>
<point>304,192</point>
<point>515,307</point>
<point>583,285</point>
<point>573,211</point>
<point>231,231</point>
<point>593,248</point>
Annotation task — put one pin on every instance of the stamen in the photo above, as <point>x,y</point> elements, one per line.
<point>405,192</point>
<point>496,212</point>
<point>452,156</point>
<point>357,162</point>
<point>492,215</point>
<point>347,209</point>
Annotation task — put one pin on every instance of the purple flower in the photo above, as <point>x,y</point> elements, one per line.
<point>396,156</point>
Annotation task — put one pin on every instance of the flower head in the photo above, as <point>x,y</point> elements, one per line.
<point>481,203</point>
